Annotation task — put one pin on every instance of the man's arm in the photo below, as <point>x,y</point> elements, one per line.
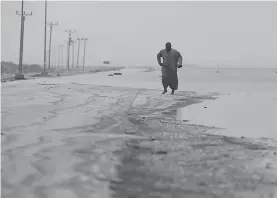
<point>159,56</point>
<point>180,60</point>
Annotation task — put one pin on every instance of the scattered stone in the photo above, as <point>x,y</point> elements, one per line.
<point>205,107</point>
<point>110,75</point>
<point>117,73</point>
<point>2,133</point>
<point>242,137</point>
<point>275,153</point>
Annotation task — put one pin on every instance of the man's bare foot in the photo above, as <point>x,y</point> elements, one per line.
<point>165,91</point>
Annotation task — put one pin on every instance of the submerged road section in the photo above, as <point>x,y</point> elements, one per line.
<point>63,139</point>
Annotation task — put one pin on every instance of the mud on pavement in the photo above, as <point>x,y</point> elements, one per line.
<point>93,141</point>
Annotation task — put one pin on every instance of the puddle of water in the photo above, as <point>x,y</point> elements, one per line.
<point>237,115</point>
<point>180,115</point>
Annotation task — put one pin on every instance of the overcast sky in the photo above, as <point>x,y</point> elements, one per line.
<point>236,34</point>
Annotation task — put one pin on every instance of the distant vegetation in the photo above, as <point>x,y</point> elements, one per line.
<point>12,68</point>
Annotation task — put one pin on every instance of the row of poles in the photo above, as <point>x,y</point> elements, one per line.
<point>57,55</point>
<point>70,41</point>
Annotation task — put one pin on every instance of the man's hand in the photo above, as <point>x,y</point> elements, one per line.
<point>180,66</point>
<point>159,56</point>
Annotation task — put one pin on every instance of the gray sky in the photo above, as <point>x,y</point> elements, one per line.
<point>237,34</point>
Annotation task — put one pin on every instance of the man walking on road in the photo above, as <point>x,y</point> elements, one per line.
<point>172,59</point>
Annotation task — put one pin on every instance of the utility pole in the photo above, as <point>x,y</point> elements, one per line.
<point>78,53</point>
<point>61,55</point>
<point>23,16</point>
<point>85,39</point>
<point>45,32</point>
<point>73,42</point>
<point>53,59</point>
<point>68,45</point>
<point>58,56</point>
<point>51,26</point>
<point>47,52</point>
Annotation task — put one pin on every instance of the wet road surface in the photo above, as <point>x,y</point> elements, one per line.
<point>70,140</point>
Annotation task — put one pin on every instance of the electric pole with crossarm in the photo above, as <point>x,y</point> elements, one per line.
<point>73,43</point>
<point>45,33</point>
<point>50,39</point>
<point>85,39</point>
<point>23,15</point>
<point>78,53</point>
<point>68,45</point>
<point>84,55</point>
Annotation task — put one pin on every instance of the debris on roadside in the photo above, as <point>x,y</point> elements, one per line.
<point>117,73</point>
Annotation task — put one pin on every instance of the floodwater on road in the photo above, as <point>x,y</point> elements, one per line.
<point>248,115</point>
<point>117,136</point>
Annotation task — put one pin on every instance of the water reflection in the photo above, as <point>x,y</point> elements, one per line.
<point>180,116</point>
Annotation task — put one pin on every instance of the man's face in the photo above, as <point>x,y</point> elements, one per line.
<point>168,46</point>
